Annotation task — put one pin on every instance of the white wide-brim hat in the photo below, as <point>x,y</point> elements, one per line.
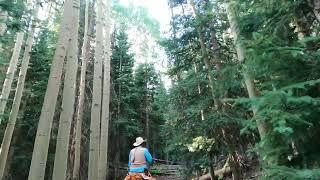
<point>139,141</point>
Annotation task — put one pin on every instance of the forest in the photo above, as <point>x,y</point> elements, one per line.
<point>230,89</point>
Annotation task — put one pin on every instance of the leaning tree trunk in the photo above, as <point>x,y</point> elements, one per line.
<point>17,98</point>
<point>6,88</point>
<point>40,150</point>
<point>84,55</point>
<point>66,116</point>
<point>15,136</point>
<point>262,126</point>
<point>93,168</point>
<point>103,159</point>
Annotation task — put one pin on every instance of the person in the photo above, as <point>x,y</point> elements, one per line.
<point>139,159</point>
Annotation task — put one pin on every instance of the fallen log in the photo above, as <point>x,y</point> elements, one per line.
<point>220,173</point>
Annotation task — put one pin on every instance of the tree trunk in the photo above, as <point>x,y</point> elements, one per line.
<point>96,98</point>
<point>84,55</point>
<point>16,134</point>
<point>6,174</point>
<point>205,55</point>
<point>147,107</point>
<point>3,20</point>
<point>216,51</point>
<point>117,156</point>
<point>66,116</point>
<point>315,5</point>
<point>17,98</point>
<point>199,89</point>
<point>103,159</point>
<point>118,132</point>
<point>6,88</point>
<point>262,126</point>
<point>40,152</point>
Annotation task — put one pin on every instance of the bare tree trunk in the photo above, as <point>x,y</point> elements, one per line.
<point>6,88</point>
<point>80,106</point>
<point>3,20</point>
<point>66,116</point>
<point>96,98</point>
<point>7,169</point>
<point>16,134</point>
<point>17,98</point>
<point>262,126</point>
<point>40,152</point>
<point>105,117</point>
<point>199,88</point>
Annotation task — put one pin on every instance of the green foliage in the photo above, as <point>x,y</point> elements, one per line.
<point>148,95</point>
<point>15,10</point>
<point>283,172</point>
<point>130,89</point>
<point>124,122</point>
<point>285,71</point>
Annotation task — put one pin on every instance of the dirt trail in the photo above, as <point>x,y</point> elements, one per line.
<point>168,178</point>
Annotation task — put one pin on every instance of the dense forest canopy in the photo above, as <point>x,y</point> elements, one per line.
<point>225,90</point>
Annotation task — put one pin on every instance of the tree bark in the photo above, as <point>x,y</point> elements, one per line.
<point>6,88</point>
<point>84,55</point>
<point>66,116</point>
<point>315,5</point>
<point>40,152</point>
<point>251,89</point>
<point>199,89</point>
<point>96,98</point>
<point>105,116</point>
<point>17,98</point>
<point>3,20</point>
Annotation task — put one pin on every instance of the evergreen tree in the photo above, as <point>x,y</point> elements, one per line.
<point>146,81</point>
<point>124,123</point>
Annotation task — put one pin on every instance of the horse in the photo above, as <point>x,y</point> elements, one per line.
<point>139,176</point>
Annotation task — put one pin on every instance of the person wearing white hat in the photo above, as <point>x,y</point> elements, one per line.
<point>139,157</point>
